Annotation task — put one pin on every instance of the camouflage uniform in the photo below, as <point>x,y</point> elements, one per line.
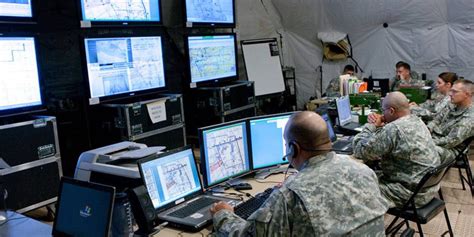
<point>333,89</point>
<point>406,151</point>
<point>414,81</point>
<point>450,128</point>
<point>331,195</point>
<point>428,110</point>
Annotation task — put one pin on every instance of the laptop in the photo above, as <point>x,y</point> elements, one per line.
<point>343,107</point>
<point>341,146</point>
<point>83,209</point>
<point>175,189</point>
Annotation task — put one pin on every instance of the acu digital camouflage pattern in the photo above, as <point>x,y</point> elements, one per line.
<point>414,81</point>
<point>333,89</point>
<point>450,128</point>
<point>406,151</point>
<point>428,110</point>
<point>330,196</point>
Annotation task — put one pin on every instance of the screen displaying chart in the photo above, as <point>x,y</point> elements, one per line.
<point>212,57</point>
<point>15,8</point>
<point>210,11</point>
<point>120,10</point>
<point>19,80</point>
<point>124,64</point>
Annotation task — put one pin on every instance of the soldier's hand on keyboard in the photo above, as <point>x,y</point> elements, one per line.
<point>220,206</point>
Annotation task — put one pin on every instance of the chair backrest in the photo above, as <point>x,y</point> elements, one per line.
<point>465,147</point>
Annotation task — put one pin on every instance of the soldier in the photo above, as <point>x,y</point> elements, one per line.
<point>330,195</point>
<point>403,145</point>
<point>405,77</point>
<point>454,124</point>
<point>430,108</point>
<point>333,88</point>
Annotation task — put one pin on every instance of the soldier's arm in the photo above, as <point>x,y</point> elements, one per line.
<point>372,143</point>
<point>458,134</point>
<point>269,220</point>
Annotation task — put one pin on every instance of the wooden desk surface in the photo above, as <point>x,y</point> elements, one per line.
<point>257,187</point>
<point>20,225</point>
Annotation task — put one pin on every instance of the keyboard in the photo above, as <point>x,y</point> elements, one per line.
<point>193,207</point>
<point>248,207</point>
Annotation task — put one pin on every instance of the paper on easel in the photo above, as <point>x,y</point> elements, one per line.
<point>157,111</point>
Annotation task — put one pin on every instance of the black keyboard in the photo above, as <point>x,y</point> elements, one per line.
<point>246,209</point>
<point>193,207</point>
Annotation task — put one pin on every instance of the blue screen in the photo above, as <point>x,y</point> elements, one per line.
<point>210,11</point>
<point>268,143</point>
<point>225,152</point>
<point>116,10</point>
<point>19,80</point>
<point>212,57</point>
<point>124,64</point>
<point>171,177</point>
<point>343,110</point>
<point>332,135</point>
<point>15,8</point>
<point>83,211</point>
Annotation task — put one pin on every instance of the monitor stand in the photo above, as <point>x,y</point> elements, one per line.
<point>263,174</point>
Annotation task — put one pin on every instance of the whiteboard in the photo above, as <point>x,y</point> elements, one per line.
<point>262,62</point>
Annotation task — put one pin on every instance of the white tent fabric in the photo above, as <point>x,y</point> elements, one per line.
<point>432,36</point>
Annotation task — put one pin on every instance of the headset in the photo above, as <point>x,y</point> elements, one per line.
<point>293,151</point>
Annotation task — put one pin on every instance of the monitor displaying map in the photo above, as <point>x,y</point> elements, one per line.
<point>16,8</point>
<point>123,66</point>
<point>212,58</point>
<point>19,80</point>
<point>121,11</point>
<point>210,13</point>
<point>224,152</point>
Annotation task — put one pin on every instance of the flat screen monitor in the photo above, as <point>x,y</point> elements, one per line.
<point>268,145</point>
<point>212,58</point>
<point>381,85</point>
<point>99,12</point>
<point>170,176</point>
<point>224,152</point>
<point>202,13</point>
<point>123,66</point>
<point>20,89</point>
<point>343,106</point>
<point>16,9</point>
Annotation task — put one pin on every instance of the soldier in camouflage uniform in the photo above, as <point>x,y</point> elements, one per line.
<point>330,195</point>
<point>430,108</point>
<point>405,77</point>
<point>333,88</point>
<point>455,124</point>
<point>403,144</point>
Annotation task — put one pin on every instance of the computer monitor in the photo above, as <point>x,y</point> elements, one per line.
<point>83,209</point>
<point>170,176</point>
<point>211,58</point>
<point>16,9</point>
<point>20,80</point>
<point>381,85</point>
<point>124,66</point>
<point>343,107</point>
<point>132,12</point>
<point>217,13</point>
<point>268,145</point>
<point>332,134</point>
<point>224,152</point>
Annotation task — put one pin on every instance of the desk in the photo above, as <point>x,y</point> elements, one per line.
<point>257,187</point>
<point>20,225</point>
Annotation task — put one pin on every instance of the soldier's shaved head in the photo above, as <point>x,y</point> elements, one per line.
<point>309,130</point>
<point>395,105</point>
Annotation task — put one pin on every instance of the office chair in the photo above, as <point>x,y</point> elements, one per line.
<point>422,215</point>
<point>462,162</point>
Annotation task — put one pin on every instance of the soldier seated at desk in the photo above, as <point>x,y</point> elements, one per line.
<point>330,195</point>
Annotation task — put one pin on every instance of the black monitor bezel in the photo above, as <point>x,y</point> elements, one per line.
<point>118,23</point>
<point>250,139</point>
<point>32,108</point>
<point>85,184</point>
<point>22,19</point>
<point>370,84</point>
<point>207,24</point>
<point>126,95</point>
<point>202,165</point>
<point>210,82</point>
<point>167,153</point>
